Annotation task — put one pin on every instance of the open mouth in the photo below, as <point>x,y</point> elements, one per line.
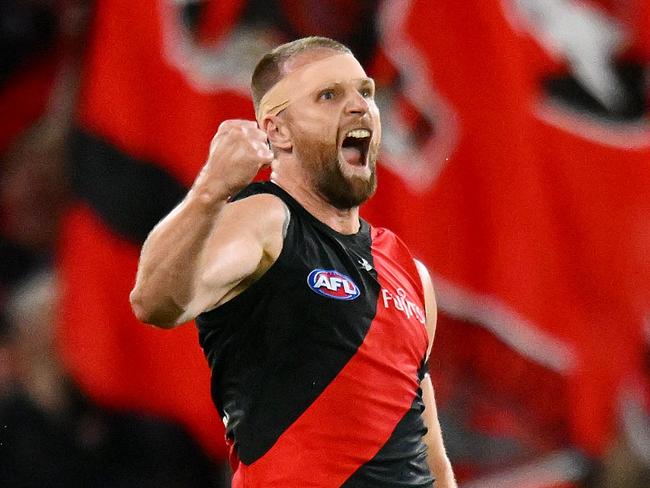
<point>355,146</point>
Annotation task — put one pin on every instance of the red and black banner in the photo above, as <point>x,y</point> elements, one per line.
<point>515,165</point>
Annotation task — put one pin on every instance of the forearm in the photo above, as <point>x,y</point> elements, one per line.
<point>436,455</point>
<point>171,284</point>
<point>169,259</point>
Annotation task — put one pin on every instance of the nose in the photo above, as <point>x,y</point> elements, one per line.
<point>357,104</point>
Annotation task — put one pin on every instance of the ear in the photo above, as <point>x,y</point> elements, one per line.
<point>277,132</point>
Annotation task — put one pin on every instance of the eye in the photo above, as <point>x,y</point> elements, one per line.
<point>328,94</point>
<point>367,92</point>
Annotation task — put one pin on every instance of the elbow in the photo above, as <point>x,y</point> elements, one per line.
<point>150,315</point>
<point>141,312</point>
<point>138,308</point>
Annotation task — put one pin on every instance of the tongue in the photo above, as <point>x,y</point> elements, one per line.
<point>352,155</point>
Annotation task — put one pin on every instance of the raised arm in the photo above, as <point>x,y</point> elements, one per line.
<point>436,455</point>
<point>207,250</point>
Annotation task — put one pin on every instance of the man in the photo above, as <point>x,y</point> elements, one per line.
<point>313,322</point>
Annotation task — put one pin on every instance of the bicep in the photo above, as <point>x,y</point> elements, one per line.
<point>430,414</point>
<point>430,305</point>
<point>246,235</point>
<point>228,260</point>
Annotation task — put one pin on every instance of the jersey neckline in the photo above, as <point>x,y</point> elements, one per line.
<point>364,227</point>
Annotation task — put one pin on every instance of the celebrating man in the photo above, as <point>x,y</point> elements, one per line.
<point>317,326</point>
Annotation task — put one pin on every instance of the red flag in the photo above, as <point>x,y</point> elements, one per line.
<point>514,165</point>
<point>145,112</point>
<point>535,218</point>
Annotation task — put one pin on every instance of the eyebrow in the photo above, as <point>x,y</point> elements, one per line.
<point>366,81</point>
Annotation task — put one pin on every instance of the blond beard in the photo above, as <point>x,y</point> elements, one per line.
<point>326,174</point>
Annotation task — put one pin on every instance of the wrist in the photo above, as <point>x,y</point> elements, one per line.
<point>211,196</point>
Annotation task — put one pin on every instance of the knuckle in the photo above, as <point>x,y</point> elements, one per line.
<point>226,125</point>
<point>236,132</point>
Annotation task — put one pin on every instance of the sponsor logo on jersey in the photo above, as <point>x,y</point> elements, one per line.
<point>332,284</point>
<point>401,302</point>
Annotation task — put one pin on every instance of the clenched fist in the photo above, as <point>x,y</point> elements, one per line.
<point>237,152</point>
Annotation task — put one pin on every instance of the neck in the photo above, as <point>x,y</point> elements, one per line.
<point>344,221</point>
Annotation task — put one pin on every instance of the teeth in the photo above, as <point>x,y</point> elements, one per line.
<point>358,133</point>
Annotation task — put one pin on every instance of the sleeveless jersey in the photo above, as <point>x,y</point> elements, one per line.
<point>316,367</point>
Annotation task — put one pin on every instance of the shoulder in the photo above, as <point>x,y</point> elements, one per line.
<point>425,277</point>
<point>266,203</point>
<point>430,303</point>
<point>256,223</point>
<point>262,212</point>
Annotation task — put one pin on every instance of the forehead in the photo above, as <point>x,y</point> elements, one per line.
<point>307,73</point>
<point>345,68</point>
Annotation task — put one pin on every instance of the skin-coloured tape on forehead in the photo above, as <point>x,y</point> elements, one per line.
<point>307,79</point>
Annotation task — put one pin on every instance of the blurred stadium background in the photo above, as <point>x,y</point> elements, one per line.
<point>515,164</point>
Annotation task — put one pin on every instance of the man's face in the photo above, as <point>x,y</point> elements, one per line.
<point>336,133</point>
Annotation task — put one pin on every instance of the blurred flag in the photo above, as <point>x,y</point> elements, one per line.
<point>515,165</point>
<point>148,109</point>
<point>535,215</point>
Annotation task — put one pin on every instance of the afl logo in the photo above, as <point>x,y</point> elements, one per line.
<point>332,284</point>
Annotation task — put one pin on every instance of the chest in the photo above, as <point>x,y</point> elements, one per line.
<point>344,287</point>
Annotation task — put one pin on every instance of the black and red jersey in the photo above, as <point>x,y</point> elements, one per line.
<point>316,367</point>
